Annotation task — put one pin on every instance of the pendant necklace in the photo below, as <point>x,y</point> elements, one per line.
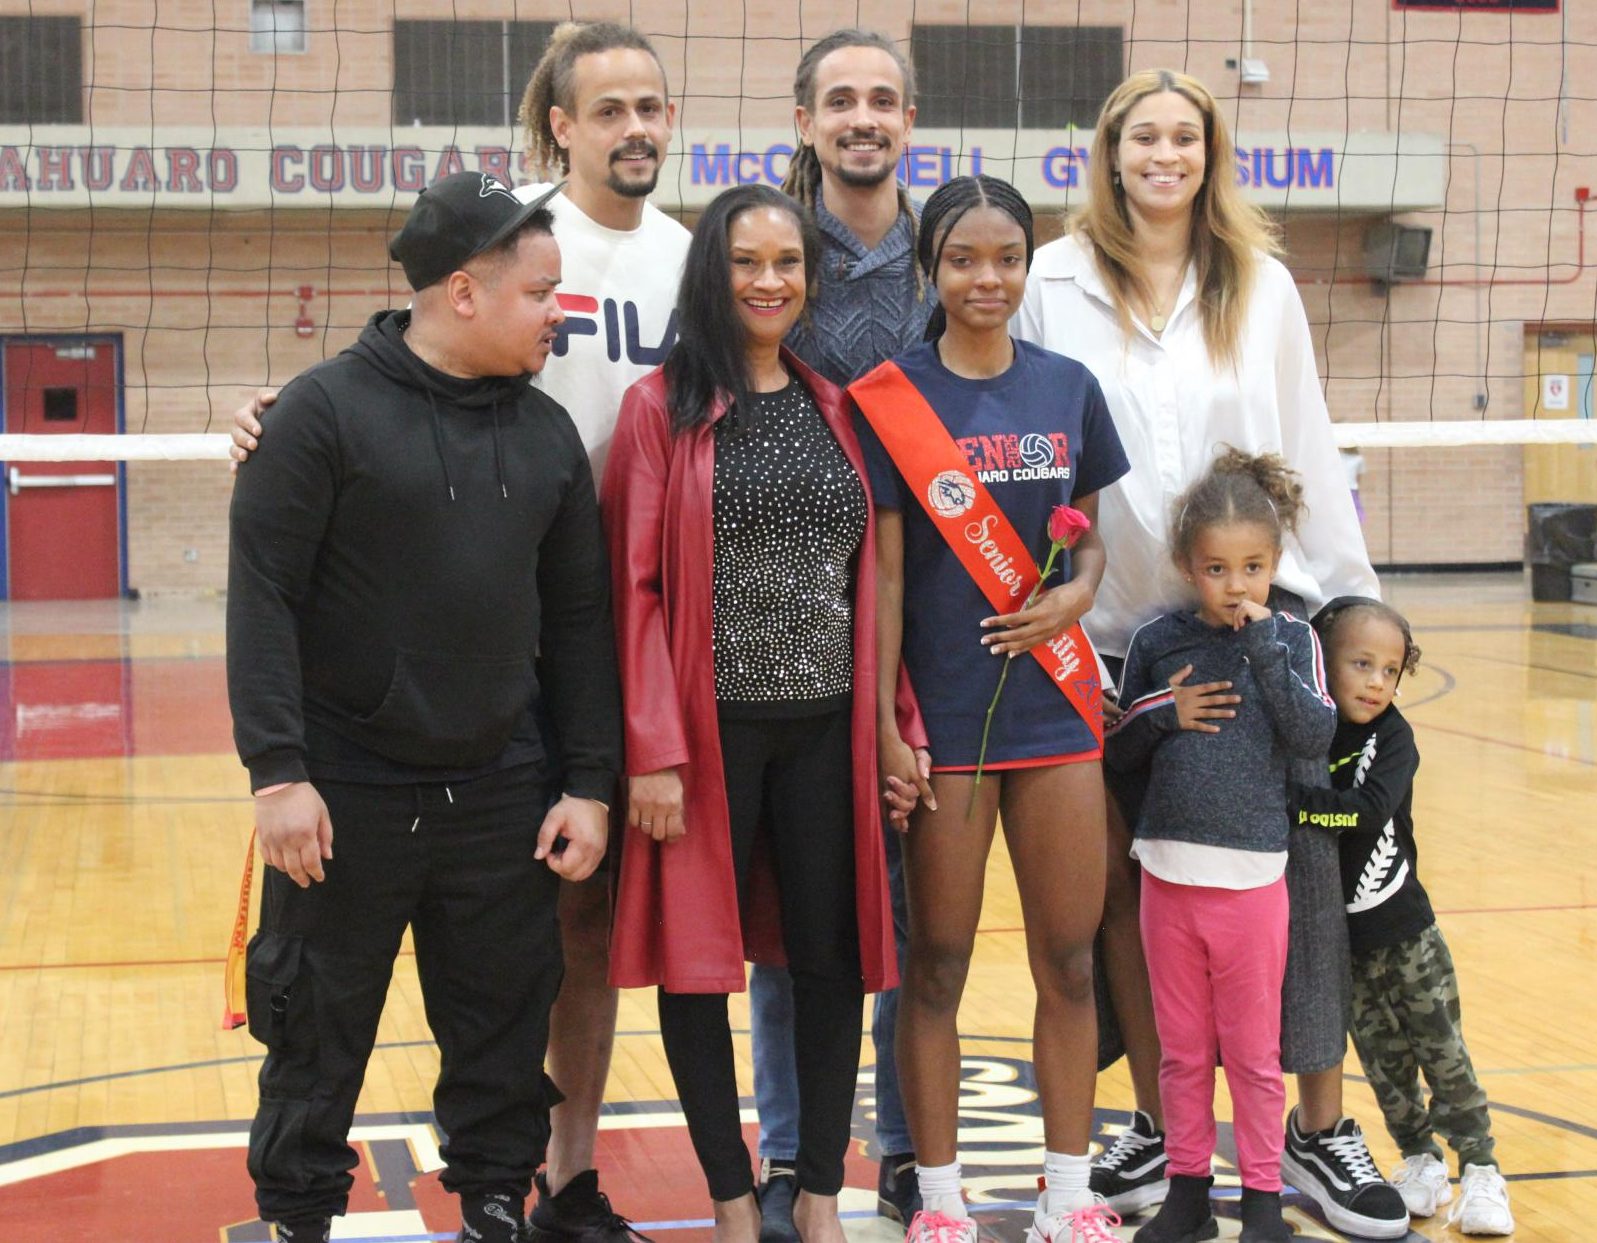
<point>1159,318</point>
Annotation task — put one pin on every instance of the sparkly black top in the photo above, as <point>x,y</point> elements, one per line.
<point>789,517</point>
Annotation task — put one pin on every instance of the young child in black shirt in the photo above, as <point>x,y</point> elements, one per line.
<point>1405,992</point>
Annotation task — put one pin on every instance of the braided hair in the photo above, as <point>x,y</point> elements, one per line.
<point>1334,614</point>
<point>803,180</point>
<point>551,84</point>
<point>948,205</point>
<point>804,172</point>
<point>1256,488</point>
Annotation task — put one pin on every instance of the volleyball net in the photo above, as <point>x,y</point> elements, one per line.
<point>204,193</point>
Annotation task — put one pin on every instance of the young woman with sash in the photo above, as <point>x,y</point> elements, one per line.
<point>1168,289</point>
<point>743,564</point>
<point>972,440</point>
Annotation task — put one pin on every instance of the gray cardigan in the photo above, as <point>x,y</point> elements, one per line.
<point>1225,789</point>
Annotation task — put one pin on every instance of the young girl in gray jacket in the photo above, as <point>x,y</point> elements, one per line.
<point>1221,699</point>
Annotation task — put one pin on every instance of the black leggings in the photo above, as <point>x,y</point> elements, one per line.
<point>793,778</point>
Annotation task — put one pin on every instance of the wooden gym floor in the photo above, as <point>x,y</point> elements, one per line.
<point>123,821</point>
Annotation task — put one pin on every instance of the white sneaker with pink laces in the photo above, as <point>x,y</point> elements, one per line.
<point>927,1227</point>
<point>1093,1222</point>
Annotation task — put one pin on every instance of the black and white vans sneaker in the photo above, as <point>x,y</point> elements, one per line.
<point>1130,1175</point>
<point>1335,1170</point>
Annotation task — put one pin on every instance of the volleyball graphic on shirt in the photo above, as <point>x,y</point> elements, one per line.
<point>1038,450</point>
<point>951,493</point>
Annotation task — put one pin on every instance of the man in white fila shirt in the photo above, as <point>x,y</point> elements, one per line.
<point>597,107</point>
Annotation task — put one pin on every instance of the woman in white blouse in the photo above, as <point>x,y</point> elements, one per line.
<point>1167,288</point>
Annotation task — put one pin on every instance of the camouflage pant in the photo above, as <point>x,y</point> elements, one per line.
<point>1405,1023</point>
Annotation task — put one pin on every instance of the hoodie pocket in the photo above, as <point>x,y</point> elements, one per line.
<point>450,710</point>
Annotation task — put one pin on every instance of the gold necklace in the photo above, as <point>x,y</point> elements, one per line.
<point>1159,318</point>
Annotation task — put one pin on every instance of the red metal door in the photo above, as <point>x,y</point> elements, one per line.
<point>61,517</point>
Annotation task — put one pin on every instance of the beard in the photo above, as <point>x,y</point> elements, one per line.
<point>634,189</point>
<point>862,178</point>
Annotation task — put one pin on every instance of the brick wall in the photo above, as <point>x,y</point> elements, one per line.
<point>205,302</point>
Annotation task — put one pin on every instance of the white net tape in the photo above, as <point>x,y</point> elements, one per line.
<point>1414,435</point>
<point>151,448</point>
<point>1456,435</point>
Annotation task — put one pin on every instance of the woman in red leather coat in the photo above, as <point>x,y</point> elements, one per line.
<point>742,556</point>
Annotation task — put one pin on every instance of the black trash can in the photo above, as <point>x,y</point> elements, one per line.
<point>1558,534</point>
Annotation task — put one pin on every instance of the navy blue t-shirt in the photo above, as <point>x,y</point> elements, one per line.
<point>1038,436</point>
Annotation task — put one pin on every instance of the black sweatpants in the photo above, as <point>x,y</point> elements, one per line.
<point>793,778</point>
<point>455,864</point>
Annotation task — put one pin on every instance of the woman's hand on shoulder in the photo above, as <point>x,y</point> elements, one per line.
<point>654,804</point>
<point>906,775</point>
<point>1054,612</point>
<point>1198,705</point>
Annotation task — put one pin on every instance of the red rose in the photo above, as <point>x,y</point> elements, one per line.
<point>1067,525</point>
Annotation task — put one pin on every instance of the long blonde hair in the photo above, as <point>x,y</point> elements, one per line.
<point>1228,232</point>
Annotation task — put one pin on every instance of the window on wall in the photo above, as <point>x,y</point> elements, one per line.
<point>463,73</point>
<point>998,77</point>
<point>277,25</point>
<point>41,70</point>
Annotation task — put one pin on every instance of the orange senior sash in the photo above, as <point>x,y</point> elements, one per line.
<point>964,513</point>
<point>233,986</point>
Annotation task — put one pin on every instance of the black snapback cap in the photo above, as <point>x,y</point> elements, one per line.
<point>455,218</point>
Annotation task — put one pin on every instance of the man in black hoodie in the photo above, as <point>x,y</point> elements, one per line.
<point>417,573</point>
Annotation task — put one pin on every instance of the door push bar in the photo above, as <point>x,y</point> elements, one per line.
<point>18,481</point>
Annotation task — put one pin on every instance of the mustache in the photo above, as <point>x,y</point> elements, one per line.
<point>864,136</point>
<point>635,149</point>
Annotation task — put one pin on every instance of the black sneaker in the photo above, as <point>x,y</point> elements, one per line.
<point>778,1186</point>
<point>1335,1170</point>
<point>305,1230</point>
<point>492,1218</point>
<point>580,1212</point>
<point>1130,1175</point>
<point>898,1188</point>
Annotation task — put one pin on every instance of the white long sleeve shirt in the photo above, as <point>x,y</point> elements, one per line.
<point>1174,408</point>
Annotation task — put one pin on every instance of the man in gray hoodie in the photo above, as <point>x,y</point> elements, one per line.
<point>417,574</point>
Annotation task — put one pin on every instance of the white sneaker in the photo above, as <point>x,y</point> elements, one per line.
<point>1093,1222</point>
<point>1482,1206</point>
<point>929,1227</point>
<point>1423,1184</point>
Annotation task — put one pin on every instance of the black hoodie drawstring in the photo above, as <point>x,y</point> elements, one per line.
<point>499,464</point>
<point>438,440</point>
<point>383,346</point>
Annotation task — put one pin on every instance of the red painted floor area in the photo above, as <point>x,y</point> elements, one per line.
<point>202,1194</point>
<point>88,709</point>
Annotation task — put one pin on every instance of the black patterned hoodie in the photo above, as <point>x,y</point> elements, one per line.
<point>1370,804</point>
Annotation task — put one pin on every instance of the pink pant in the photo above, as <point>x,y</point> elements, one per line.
<point>1215,961</point>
